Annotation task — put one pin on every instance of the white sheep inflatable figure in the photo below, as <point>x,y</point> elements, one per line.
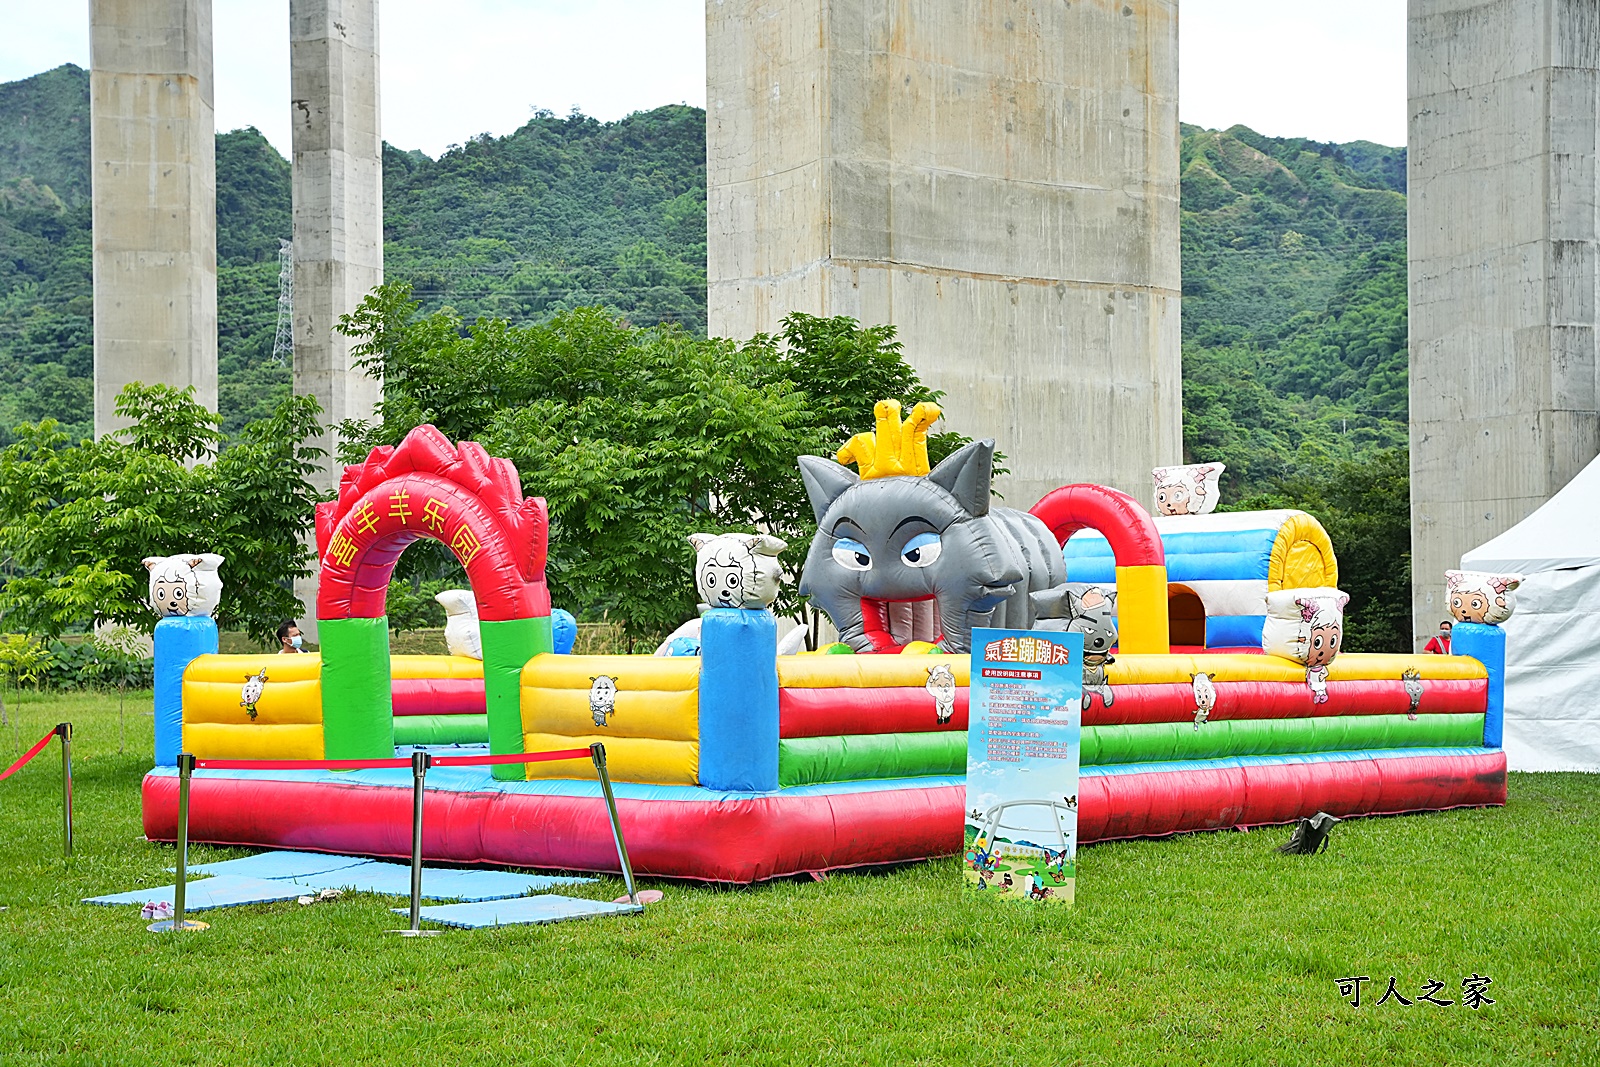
<point>737,570</point>
<point>733,570</point>
<point>461,632</point>
<point>184,585</point>
<point>1307,626</point>
<point>1187,490</point>
<point>1473,596</point>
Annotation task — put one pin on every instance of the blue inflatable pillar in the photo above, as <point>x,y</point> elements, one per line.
<point>739,700</point>
<point>1487,645</point>
<point>178,640</point>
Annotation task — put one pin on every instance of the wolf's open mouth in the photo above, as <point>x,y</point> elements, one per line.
<point>893,624</point>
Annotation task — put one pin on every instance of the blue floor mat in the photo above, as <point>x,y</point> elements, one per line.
<point>550,908</point>
<point>277,865</point>
<point>222,891</point>
<point>394,879</point>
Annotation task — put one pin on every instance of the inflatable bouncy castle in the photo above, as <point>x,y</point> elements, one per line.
<point>738,764</point>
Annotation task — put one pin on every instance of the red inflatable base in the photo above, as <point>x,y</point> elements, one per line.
<point>1111,807</point>
<point>750,839</point>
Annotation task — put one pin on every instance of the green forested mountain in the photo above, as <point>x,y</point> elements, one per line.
<point>44,132</point>
<point>252,215</point>
<point>1293,262</point>
<point>564,212</point>
<point>1294,275</point>
<point>46,339</point>
<point>1294,302</point>
<point>561,214</point>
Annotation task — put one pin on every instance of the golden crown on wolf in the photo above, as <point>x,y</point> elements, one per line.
<point>896,448</point>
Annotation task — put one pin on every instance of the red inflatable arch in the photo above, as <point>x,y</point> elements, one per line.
<point>1141,560</point>
<point>463,498</point>
<point>1132,532</point>
<point>427,487</point>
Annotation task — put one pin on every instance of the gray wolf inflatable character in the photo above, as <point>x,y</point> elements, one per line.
<point>905,553</point>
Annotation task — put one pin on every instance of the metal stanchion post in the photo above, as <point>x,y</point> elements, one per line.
<point>420,761</point>
<point>597,752</point>
<point>64,732</point>
<point>180,887</point>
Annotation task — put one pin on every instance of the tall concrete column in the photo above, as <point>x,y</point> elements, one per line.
<point>338,213</point>
<point>338,200</point>
<point>153,158</point>
<point>998,180</point>
<point>1504,236</point>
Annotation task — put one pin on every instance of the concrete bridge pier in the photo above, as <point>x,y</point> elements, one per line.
<point>338,213</point>
<point>999,181</point>
<point>338,201</point>
<point>153,160</point>
<point>1504,248</point>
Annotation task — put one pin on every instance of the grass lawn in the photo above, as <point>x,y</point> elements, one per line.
<point>1208,948</point>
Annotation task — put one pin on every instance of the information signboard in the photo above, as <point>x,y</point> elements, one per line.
<point>1022,763</point>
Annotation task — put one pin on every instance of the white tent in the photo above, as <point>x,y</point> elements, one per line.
<point>1552,714</point>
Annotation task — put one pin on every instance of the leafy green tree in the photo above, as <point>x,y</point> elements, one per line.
<point>635,436</point>
<point>23,661</point>
<point>411,604</point>
<point>77,518</point>
<point>117,658</point>
<point>1365,505</point>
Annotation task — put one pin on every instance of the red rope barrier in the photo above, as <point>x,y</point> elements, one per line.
<point>515,757</point>
<point>364,764</point>
<point>296,764</point>
<point>38,748</point>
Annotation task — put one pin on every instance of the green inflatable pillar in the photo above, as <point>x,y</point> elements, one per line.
<point>507,648</point>
<point>357,708</point>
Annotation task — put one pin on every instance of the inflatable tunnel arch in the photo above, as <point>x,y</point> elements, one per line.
<point>1221,566</point>
<point>1141,565</point>
<point>463,498</point>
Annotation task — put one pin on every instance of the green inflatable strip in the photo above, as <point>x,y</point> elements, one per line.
<point>507,647</point>
<point>1159,742</point>
<point>816,760</point>
<point>441,729</point>
<point>357,710</point>
<point>848,758</point>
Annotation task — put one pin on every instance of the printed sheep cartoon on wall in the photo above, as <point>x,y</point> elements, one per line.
<point>602,698</point>
<point>186,584</point>
<point>941,685</point>
<point>1205,698</point>
<point>250,694</point>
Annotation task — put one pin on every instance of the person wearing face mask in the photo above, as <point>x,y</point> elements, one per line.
<point>1440,644</point>
<point>289,639</point>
